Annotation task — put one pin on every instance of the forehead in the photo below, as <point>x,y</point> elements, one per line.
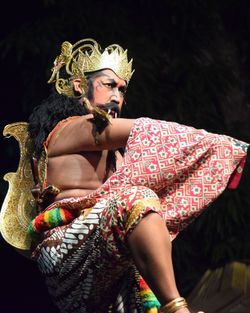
<point>110,75</point>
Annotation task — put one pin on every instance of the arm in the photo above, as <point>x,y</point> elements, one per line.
<point>77,135</point>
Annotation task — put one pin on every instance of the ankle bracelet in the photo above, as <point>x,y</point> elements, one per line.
<point>174,305</point>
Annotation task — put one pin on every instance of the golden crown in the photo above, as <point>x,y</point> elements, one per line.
<point>86,56</point>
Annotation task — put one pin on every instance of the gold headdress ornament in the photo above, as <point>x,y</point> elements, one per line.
<point>86,56</point>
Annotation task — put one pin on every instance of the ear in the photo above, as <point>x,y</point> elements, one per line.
<point>77,86</point>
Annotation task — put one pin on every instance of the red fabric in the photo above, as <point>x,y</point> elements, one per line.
<point>236,176</point>
<point>187,168</point>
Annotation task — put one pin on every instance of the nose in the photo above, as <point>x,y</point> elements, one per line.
<point>116,96</point>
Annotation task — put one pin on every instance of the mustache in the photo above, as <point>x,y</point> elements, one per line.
<point>113,106</point>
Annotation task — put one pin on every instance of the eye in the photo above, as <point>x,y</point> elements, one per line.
<point>108,85</point>
<point>123,90</point>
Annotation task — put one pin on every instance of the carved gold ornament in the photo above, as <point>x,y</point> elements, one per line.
<point>86,56</point>
<point>19,207</point>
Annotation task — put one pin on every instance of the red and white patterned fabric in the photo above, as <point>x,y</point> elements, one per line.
<point>186,167</point>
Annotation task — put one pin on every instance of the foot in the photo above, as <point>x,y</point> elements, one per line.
<point>186,310</point>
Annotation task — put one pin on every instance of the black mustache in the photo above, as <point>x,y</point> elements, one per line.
<point>110,106</point>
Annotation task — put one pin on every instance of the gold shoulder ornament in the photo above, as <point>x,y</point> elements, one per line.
<point>19,206</point>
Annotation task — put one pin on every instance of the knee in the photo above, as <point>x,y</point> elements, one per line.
<point>138,202</point>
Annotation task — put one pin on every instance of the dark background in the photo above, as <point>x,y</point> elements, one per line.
<point>192,61</point>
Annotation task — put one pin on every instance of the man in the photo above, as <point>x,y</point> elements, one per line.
<point>103,216</point>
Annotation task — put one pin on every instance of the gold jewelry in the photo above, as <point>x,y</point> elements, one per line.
<point>174,305</point>
<point>86,56</point>
<point>19,206</point>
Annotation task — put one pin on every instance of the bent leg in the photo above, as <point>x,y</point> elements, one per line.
<point>132,224</point>
<point>151,249</point>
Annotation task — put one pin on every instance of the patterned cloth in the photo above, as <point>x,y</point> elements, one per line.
<point>86,261</point>
<point>168,168</point>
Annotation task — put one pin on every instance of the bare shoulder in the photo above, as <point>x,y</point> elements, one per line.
<point>76,135</point>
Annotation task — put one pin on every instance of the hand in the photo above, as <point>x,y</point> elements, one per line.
<point>88,116</point>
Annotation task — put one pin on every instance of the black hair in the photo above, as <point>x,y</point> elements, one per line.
<point>46,115</point>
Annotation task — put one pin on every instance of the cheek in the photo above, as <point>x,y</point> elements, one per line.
<point>100,93</point>
<point>120,104</point>
<point>101,96</point>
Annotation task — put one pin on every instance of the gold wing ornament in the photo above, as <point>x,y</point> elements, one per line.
<point>19,206</point>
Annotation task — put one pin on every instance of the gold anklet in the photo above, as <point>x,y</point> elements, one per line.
<point>174,305</point>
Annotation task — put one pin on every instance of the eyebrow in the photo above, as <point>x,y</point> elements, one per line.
<point>111,79</point>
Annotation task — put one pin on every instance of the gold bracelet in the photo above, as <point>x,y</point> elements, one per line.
<point>174,305</point>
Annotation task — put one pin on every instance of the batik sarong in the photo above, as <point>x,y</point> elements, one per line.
<point>87,264</point>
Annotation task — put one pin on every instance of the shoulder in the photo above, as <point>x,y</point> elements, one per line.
<point>59,128</point>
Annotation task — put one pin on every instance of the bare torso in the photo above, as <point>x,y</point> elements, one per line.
<point>80,174</point>
<point>76,164</point>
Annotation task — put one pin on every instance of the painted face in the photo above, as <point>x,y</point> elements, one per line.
<point>108,88</point>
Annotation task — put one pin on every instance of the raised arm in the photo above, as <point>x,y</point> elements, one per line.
<point>76,135</point>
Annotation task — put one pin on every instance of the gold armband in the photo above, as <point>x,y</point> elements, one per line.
<point>174,305</point>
